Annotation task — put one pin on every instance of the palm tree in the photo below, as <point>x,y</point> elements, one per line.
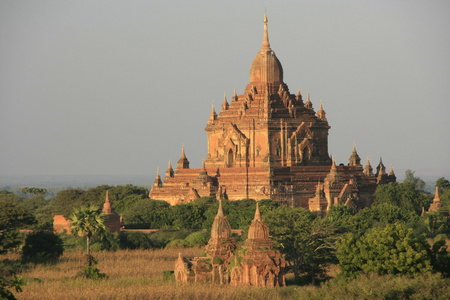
<point>88,221</point>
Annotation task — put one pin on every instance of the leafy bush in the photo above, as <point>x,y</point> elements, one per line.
<point>199,238</point>
<point>168,275</point>
<point>92,272</point>
<point>393,250</point>
<point>42,247</point>
<point>134,240</point>
<point>161,238</point>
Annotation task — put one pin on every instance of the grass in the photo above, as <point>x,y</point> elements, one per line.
<point>138,274</point>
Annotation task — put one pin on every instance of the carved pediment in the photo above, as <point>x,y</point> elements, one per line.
<point>233,133</point>
<point>302,131</point>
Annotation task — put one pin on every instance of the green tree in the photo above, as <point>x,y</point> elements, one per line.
<point>147,213</point>
<point>435,224</point>
<point>15,282</point>
<point>444,192</point>
<point>306,240</point>
<point>34,191</point>
<point>442,184</point>
<point>42,247</point>
<point>88,221</point>
<point>393,249</point>
<point>12,218</point>
<point>416,181</point>
<point>66,201</point>
<point>404,195</point>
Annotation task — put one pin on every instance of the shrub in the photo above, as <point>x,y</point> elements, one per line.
<point>168,275</point>
<point>42,247</point>
<point>134,240</point>
<point>92,272</point>
<point>199,238</point>
<point>161,238</point>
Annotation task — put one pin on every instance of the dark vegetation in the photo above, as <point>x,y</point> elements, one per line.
<point>392,238</point>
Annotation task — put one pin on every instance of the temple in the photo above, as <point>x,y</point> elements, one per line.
<point>256,263</point>
<point>269,143</point>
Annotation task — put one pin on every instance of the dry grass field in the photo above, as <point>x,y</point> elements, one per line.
<point>138,274</point>
<point>134,274</point>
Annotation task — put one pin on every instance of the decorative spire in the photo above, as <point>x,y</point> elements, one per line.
<point>257,213</point>
<point>391,172</point>
<point>308,103</point>
<point>235,97</point>
<point>183,162</point>
<point>436,205</point>
<point>321,113</point>
<point>436,196</point>
<point>107,210</point>
<point>213,115</point>
<point>381,169</point>
<point>180,259</point>
<point>368,168</point>
<point>354,159</point>
<point>333,165</point>
<point>220,210</point>
<point>265,44</point>
<point>203,164</point>
<point>225,102</point>
<point>157,181</point>
<point>169,171</point>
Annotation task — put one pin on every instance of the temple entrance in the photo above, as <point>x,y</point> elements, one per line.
<point>230,158</point>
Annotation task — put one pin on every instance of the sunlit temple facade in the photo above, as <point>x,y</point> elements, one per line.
<point>269,143</point>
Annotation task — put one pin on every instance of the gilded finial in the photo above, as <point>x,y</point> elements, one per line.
<point>266,44</point>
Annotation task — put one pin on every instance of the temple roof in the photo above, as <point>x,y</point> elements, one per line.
<point>266,68</point>
<point>107,209</point>
<point>221,227</point>
<point>258,230</point>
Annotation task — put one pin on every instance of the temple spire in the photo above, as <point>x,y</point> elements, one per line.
<point>265,44</point>
<point>107,210</point>
<point>333,164</point>
<point>183,162</point>
<point>308,103</point>
<point>213,115</point>
<point>220,210</point>
<point>257,213</point>
<point>436,196</point>
<point>321,113</point>
<point>225,102</point>
<point>169,171</point>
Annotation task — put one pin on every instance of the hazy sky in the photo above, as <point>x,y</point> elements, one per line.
<point>117,87</point>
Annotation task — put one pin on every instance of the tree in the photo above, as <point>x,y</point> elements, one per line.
<point>66,200</point>
<point>393,249</point>
<point>147,212</point>
<point>12,218</point>
<point>34,191</point>
<point>306,240</point>
<point>442,184</point>
<point>404,195</point>
<point>416,181</point>
<point>444,192</point>
<point>88,221</point>
<point>435,223</point>
<point>42,247</point>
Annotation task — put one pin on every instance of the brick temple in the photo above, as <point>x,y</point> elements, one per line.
<point>269,143</point>
<point>255,263</point>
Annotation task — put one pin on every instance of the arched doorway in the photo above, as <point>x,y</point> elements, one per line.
<point>230,158</point>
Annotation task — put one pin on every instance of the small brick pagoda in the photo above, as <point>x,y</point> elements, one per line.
<point>269,143</point>
<point>256,263</point>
